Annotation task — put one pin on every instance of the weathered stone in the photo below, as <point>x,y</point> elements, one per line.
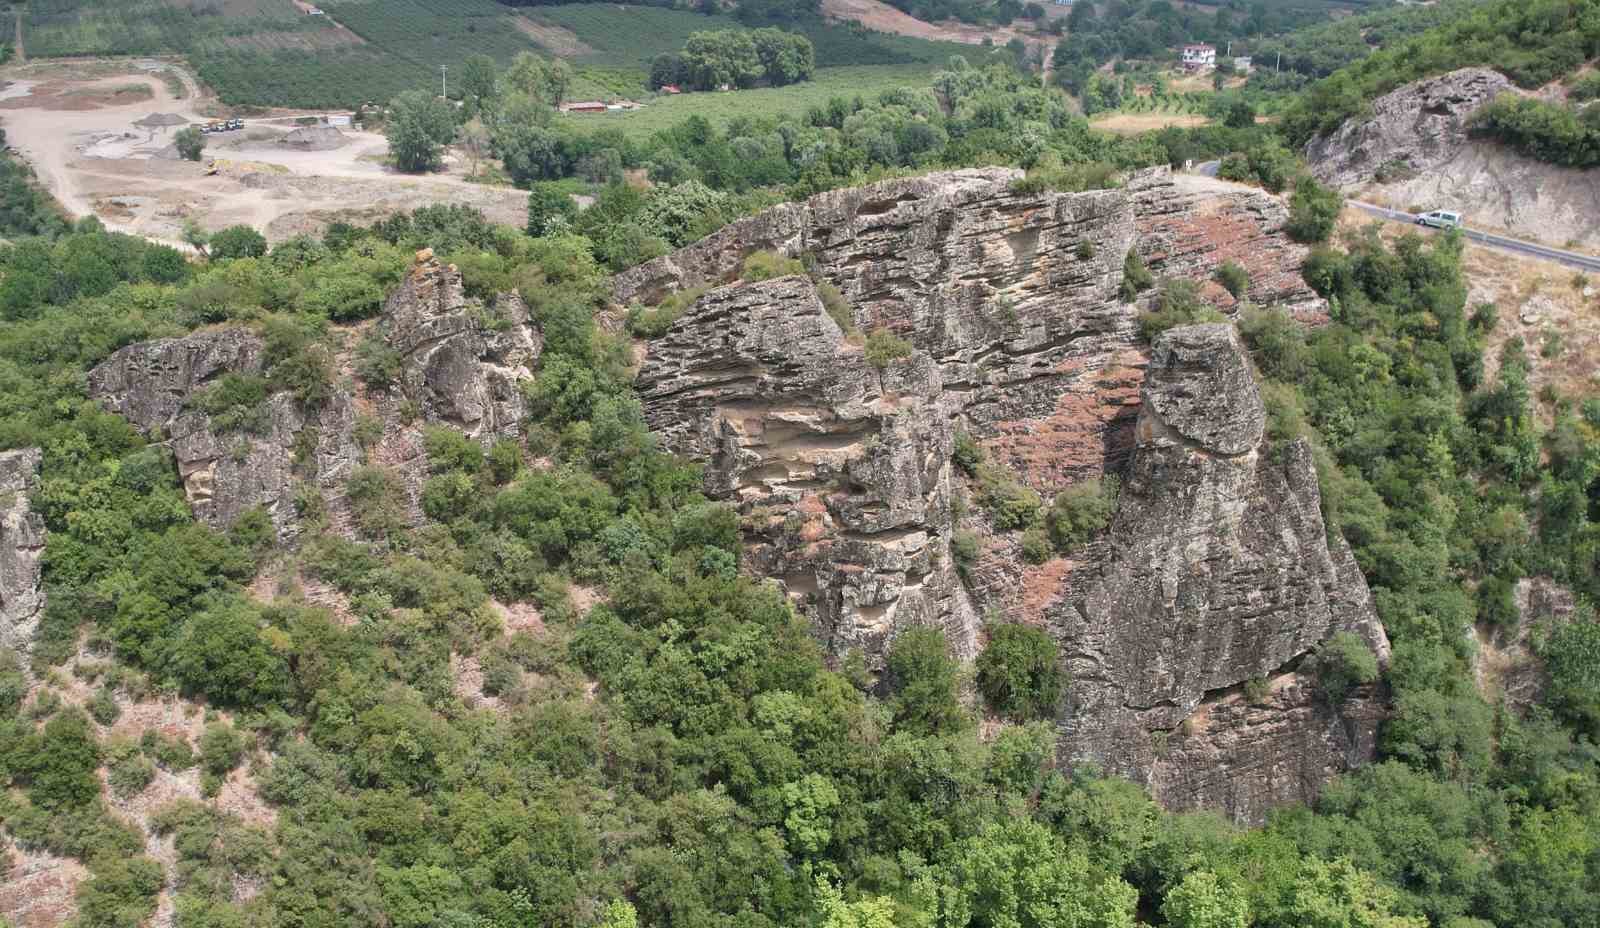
<point>21,544</point>
<point>1416,147</point>
<point>461,364</point>
<point>1216,569</point>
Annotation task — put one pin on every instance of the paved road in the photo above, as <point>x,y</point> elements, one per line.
<point>1516,246</point>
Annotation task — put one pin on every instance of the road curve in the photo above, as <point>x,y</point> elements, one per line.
<point>1515,246</point>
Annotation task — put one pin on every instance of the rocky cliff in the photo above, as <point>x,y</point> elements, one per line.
<point>458,361</point>
<point>21,544</point>
<point>1415,150</point>
<point>1216,570</point>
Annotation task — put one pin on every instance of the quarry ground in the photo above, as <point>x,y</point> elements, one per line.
<point>76,125</point>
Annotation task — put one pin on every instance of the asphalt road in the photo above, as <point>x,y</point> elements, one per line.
<point>1515,246</point>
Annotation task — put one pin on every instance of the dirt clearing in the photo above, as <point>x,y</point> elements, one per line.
<point>88,136</point>
<point>1135,123</point>
<point>557,40</point>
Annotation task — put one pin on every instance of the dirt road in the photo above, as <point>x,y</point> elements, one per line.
<point>80,132</point>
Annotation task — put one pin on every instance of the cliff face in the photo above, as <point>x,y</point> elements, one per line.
<point>1418,134</point>
<point>458,362</point>
<point>21,544</point>
<point>1216,569</point>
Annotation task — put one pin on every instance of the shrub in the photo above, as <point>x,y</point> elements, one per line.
<point>128,771</point>
<point>1036,546</point>
<point>964,549</point>
<point>1233,278</point>
<point>1018,673</point>
<point>967,454</point>
<point>238,242</point>
<point>837,307</point>
<point>1313,211</point>
<point>1010,503</point>
<point>1081,511</point>
<point>190,143</point>
<point>653,323</point>
<point>1178,304</point>
<point>1344,661</point>
<point>1256,690</point>
<point>923,678</point>
<point>766,265</point>
<point>234,403</point>
<point>172,753</point>
<point>1136,278</point>
<point>1051,174</point>
<point>103,705</point>
<point>374,495</point>
<point>1085,250</point>
<point>884,348</point>
<point>221,748</point>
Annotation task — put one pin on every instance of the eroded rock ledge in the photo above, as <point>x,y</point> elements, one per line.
<point>1216,570</point>
<point>21,544</point>
<point>460,363</point>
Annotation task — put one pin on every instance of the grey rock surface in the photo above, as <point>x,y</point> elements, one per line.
<point>21,545</point>
<point>1216,569</point>
<point>460,364</point>
<point>1422,129</point>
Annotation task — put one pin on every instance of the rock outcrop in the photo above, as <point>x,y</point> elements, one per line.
<point>458,363</point>
<point>21,544</point>
<point>1416,150</point>
<point>1216,570</point>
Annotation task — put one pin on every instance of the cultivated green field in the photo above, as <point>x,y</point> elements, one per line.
<point>719,108</point>
<point>616,36</point>
<point>53,28</point>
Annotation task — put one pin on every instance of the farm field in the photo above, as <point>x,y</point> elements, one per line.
<point>616,36</point>
<point>56,28</point>
<point>720,108</point>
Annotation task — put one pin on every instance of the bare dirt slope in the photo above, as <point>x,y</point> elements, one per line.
<point>79,131</point>
<point>875,14</point>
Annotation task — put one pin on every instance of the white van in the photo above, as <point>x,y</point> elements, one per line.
<point>1440,219</point>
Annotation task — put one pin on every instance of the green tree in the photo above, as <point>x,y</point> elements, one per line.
<point>238,242</point>
<point>1337,895</point>
<point>1313,211</point>
<point>190,143</point>
<point>1344,661</point>
<point>478,81</point>
<point>417,125</point>
<point>1203,900</point>
<point>923,677</point>
<point>1018,672</point>
<point>1018,873</point>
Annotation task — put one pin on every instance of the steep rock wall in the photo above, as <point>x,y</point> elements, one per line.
<point>1419,134</point>
<point>460,363</point>
<point>21,544</point>
<point>1216,569</point>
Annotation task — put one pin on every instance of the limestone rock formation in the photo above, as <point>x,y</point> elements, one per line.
<point>21,544</point>
<point>459,362</point>
<point>1216,570</point>
<point>1417,146</point>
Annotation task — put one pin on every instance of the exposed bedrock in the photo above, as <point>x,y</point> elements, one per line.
<point>1217,568</point>
<point>459,363</point>
<point>21,544</point>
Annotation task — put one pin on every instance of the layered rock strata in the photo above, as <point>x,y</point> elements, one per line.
<point>1216,570</point>
<point>21,544</point>
<point>459,362</point>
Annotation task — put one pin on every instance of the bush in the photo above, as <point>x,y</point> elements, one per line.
<point>837,307</point>
<point>1136,278</point>
<point>1313,211</point>
<point>1233,278</point>
<point>1344,661</point>
<point>1018,673</point>
<point>190,143</point>
<point>967,454</point>
<point>884,348</point>
<point>1178,304</point>
<point>172,753</point>
<point>221,748</point>
<point>238,242</point>
<point>103,705</point>
<point>766,265</point>
<point>1010,503</point>
<point>923,678</point>
<point>128,771</point>
<point>1081,511</point>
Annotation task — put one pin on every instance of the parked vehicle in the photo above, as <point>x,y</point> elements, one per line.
<point>1440,219</point>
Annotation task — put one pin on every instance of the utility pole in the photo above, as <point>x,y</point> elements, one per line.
<point>444,94</point>
<point>1278,68</point>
